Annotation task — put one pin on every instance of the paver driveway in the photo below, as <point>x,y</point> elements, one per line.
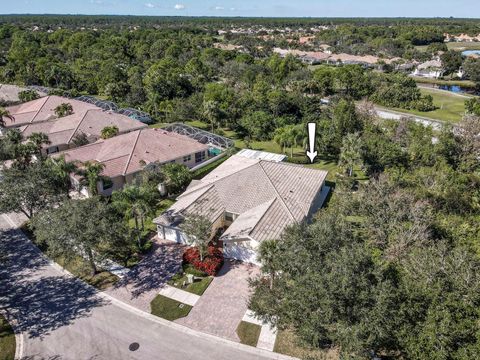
<point>221,308</point>
<point>60,317</point>
<point>145,280</point>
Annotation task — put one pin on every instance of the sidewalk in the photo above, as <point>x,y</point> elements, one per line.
<point>179,295</point>
<point>268,334</point>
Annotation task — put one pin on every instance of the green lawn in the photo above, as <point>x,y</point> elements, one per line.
<point>461,46</point>
<point>458,46</point>
<point>168,309</point>
<point>248,333</point>
<point>149,225</point>
<point>7,340</point>
<point>450,106</point>
<point>198,286</point>
<point>287,343</point>
<point>78,266</point>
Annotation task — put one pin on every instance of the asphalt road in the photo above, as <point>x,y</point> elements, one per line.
<point>60,317</point>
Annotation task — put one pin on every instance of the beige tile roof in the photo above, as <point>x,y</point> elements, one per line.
<point>267,196</point>
<point>43,109</point>
<point>63,130</point>
<point>126,154</point>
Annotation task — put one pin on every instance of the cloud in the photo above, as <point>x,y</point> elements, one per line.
<point>179,7</point>
<point>149,5</point>
<point>219,8</point>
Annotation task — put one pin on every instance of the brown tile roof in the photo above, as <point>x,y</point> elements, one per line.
<point>43,109</point>
<point>126,154</point>
<point>267,196</point>
<point>63,130</point>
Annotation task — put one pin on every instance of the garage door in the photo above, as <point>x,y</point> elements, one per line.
<point>240,252</point>
<point>173,235</point>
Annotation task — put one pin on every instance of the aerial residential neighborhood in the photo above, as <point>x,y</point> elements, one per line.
<point>240,180</point>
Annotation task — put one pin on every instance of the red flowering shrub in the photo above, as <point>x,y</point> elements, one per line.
<point>211,263</point>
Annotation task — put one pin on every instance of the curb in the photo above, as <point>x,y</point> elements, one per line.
<point>158,320</point>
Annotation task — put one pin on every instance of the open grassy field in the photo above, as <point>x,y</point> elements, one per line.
<point>458,46</point>
<point>450,106</point>
<point>7,340</point>
<point>461,46</point>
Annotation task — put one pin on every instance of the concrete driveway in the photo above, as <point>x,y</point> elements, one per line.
<point>60,317</point>
<point>223,305</point>
<point>145,280</point>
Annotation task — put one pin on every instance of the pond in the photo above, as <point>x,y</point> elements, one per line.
<point>470,52</point>
<point>454,88</point>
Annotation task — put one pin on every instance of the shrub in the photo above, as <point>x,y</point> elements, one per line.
<point>211,263</point>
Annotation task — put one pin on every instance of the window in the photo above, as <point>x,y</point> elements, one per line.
<point>187,158</point>
<point>107,184</point>
<point>200,156</point>
<point>52,150</point>
<point>230,216</point>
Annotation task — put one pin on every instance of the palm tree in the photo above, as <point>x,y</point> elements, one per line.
<point>135,202</point>
<point>268,255</point>
<point>350,154</point>
<point>5,114</point>
<point>91,175</point>
<point>38,140</point>
<point>281,138</point>
<point>63,169</point>
<point>64,109</point>
<point>211,112</point>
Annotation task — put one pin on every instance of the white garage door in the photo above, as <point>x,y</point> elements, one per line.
<point>173,235</point>
<point>240,252</point>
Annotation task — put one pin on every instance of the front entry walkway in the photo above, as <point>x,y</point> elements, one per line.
<point>223,305</point>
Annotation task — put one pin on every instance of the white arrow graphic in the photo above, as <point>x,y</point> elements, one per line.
<point>312,128</point>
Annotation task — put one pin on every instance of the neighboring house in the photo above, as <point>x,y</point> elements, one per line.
<point>429,69</point>
<point>61,132</point>
<point>43,109</point>
<point>9,93</point>
<point>247,200</point>
<point>125,156</point>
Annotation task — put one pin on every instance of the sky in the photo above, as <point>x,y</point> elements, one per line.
<point>264,8</point>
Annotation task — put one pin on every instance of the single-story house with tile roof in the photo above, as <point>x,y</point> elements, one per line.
<point>249,200</point>
<point>61,132</point>
<point>43,109</point>
<point>125,156</point>
<point>429,69</point>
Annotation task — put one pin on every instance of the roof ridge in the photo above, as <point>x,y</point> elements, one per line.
<point>78,125</point>
<point>276,191</point>
<point>212,187</point>
<point>263,215</point>
<point>41,107</point>
<point>222,178</point>
<point>297,203</point>
<point>131,152</point>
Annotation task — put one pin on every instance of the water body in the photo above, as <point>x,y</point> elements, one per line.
<point>453,88</point>
<point>470,52</point>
